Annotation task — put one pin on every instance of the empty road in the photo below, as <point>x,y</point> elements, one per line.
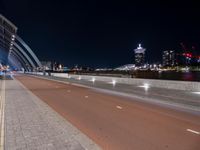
<point>116,122</point>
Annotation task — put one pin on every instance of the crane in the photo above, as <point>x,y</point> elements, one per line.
<point>186,53</point>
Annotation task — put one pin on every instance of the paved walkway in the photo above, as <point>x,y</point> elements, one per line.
<point>32,124</point>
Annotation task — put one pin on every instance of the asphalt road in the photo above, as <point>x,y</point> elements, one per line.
<point>178,99</point>
<point>116,122</point>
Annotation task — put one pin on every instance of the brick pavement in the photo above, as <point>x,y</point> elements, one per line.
<point>30,124</point>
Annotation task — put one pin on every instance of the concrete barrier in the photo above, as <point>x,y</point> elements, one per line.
<point>169,84</point>
<point>34,73</point>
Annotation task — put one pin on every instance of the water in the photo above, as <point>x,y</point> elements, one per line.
<point>163,75</point>
<point>168,75</point>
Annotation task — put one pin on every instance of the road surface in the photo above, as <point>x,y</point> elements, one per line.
<point>116,122</point>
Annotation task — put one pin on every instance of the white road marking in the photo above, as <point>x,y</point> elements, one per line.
<point>86,96</point>
<point>118,107</point>
<point>68,91</point>
<point>193,131</point>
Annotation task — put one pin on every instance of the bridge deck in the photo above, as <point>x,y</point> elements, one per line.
<point>39,115</point>
<point>118,122</point>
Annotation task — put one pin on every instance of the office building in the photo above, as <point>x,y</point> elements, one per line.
<point>169,58</point>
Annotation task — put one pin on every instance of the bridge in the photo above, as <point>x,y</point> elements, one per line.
<point>67,111</point>
<point>18,53</point>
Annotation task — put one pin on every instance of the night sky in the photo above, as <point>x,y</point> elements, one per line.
<point>103,33</point>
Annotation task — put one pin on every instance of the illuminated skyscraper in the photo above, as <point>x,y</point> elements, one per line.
<point>169,58</point>
<point>139,56</point>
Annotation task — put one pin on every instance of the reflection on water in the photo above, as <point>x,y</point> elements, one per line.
<point>168,75</point>
<point>188,76</point>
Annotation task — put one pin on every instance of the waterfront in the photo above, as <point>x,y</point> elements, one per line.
<point>163,75</point>
<point>168,75</point>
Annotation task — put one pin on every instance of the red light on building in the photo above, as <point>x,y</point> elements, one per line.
<point>187,55</point>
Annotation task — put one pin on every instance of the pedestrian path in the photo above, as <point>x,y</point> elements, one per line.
<point>32,124</point>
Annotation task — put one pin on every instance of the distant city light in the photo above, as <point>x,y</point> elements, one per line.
<point>60,66</point>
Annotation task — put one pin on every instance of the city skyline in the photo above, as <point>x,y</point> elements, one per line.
<point>103,34</point>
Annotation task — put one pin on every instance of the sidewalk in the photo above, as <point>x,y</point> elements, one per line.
<point>32,124</point>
